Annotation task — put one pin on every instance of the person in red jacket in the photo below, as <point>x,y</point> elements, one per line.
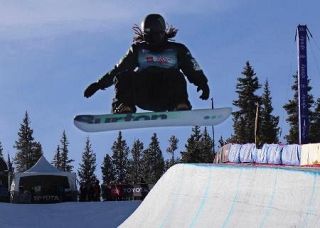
<point>152,74</point>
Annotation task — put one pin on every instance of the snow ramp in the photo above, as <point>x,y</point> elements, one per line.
<point>190,195</point>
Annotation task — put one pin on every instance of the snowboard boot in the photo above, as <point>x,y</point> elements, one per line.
<point>182,107</point>
<point>123,109</point>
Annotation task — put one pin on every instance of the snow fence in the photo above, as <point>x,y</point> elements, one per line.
<point>273,154</point>
<point>310,154</point>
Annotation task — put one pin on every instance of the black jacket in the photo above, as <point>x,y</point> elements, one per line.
<point>171,55</point>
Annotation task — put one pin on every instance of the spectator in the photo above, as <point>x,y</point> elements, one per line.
<point>83,192</point>
<point>96,191</point>
<point>90,192</point>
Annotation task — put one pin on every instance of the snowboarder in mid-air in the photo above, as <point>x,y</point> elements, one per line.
<point>152,73</point>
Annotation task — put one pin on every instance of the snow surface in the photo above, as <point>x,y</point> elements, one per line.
<point>204,195</point>
<point>71,214</point>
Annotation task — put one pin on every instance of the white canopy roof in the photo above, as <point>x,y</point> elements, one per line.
<point>42,168</point>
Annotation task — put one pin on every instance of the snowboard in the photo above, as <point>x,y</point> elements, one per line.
<point>109,122</point>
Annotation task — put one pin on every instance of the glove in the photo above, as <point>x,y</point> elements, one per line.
<point>91,89</point>
<point>205,91</point>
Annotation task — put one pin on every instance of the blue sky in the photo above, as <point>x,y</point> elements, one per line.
<point>51,50</point>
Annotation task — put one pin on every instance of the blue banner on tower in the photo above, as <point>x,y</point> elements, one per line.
<point>303,85</point>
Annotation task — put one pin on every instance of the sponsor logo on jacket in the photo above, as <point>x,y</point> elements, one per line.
<point>163,59</point>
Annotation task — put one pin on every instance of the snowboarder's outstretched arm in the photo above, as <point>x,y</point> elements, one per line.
<point>193,72</point>
<point>127,63</point>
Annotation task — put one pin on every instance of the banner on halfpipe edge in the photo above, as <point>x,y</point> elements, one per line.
<point>125,191</point>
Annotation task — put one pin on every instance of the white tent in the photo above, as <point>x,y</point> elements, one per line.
<point>42,169</point>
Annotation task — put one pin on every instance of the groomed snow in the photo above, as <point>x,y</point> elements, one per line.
<point>71,214</point>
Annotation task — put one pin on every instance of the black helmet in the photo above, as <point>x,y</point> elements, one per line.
<point>154,29</point>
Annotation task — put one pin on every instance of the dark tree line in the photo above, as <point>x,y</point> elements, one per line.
<point>292,110</point>
<point>28,150</point>
<point>198,148</point>
<point>135,165</point>
<point>147,165</point>
<point>254,122</point>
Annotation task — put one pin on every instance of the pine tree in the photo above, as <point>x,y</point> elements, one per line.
<point>173,146</point>
<point>37,151</point>
<point>28,150</point>
<point>64,154</point>
<point>86,171</point>
<point>244,118</point>
<point>193,147</point>
<point>153,161</point>
<point>292,110</point>
<point>10,167</point>
<point>136,163</point>
<point>315,124</point>
<point>206,152</point>
<point>268,127</point>
<point>1,150</point>
<point>57,159</point>
<point>108,170</point>
<point>199,147</point>
<point>120,159</point>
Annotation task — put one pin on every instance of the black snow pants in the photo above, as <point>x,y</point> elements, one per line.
<point>153,89</point>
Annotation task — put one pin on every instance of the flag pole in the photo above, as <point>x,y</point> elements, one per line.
<point>212,107</point>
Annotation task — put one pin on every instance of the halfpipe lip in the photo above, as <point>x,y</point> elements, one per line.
<point>315,169</point>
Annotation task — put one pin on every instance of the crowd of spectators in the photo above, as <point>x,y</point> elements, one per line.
<point>90,191</point>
